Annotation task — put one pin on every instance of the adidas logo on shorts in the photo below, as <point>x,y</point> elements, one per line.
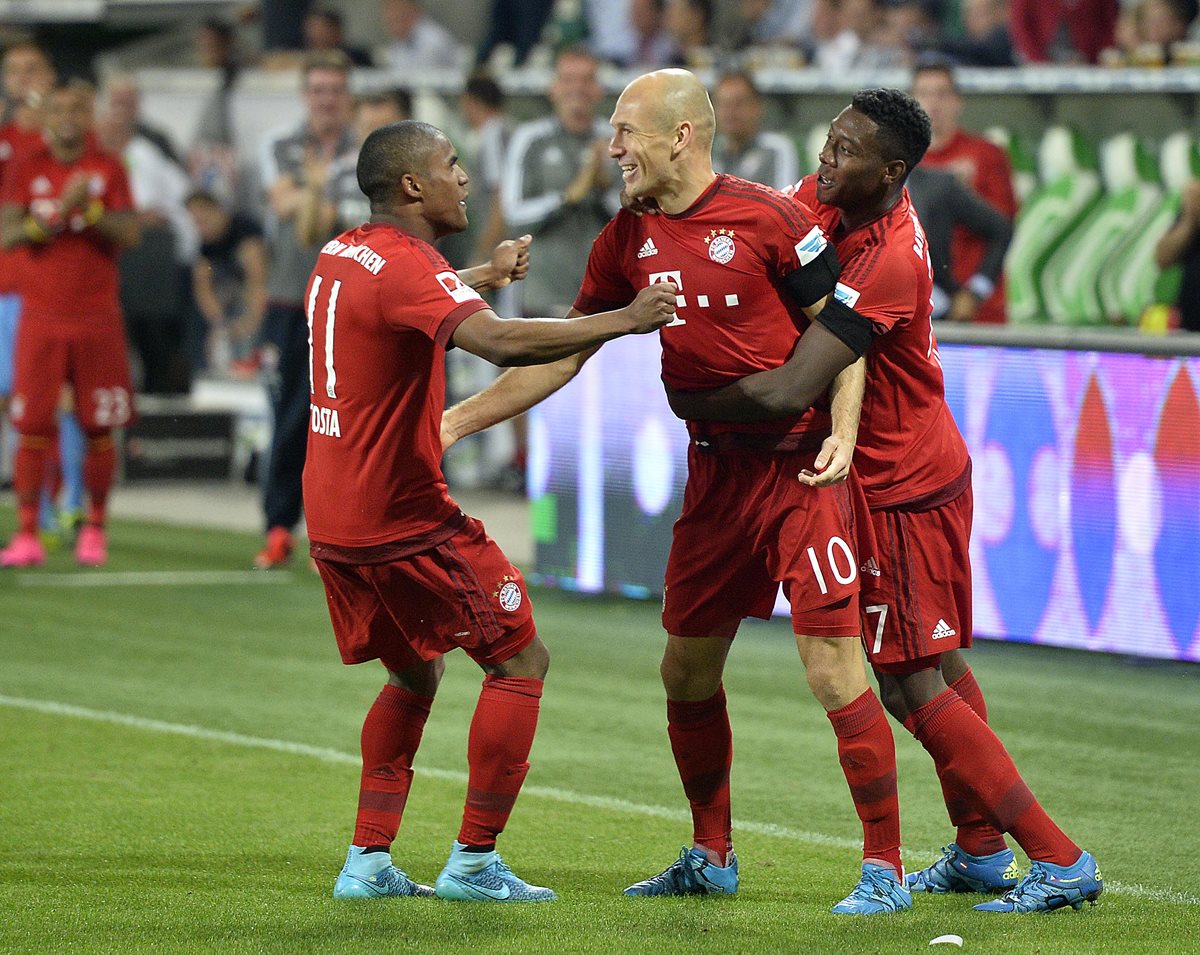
<point>648,249</point>
<point>943,630</point>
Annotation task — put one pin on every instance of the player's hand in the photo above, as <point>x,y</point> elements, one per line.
<point>510,260</point>
<point>832,465</point>
<point>653,308</point>
<point>790,191</point>
<point>75,192</point>
<point>964,306</point>
<point>639,206</point>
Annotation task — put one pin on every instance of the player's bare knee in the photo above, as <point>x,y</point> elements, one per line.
<point>688,678</point>
<point>422,679</point>
<point>891,695</point>
<point>532,662</point>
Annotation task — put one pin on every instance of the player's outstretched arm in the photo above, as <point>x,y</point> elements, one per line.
<point>536,341</point>
<point>837,451</point>
<point>820,354</point>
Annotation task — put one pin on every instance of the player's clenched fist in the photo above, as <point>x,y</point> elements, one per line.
<point>653,308</point>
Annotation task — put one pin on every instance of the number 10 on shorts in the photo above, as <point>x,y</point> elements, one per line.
<point>837,553</point>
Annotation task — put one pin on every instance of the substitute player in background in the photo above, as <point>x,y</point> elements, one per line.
<point>746,262</point>
<point>69,206</point>
<point>407,575</point>
<point>916,473</point>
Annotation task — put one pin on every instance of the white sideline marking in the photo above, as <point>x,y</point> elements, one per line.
<point>324,754</point>
<point>152,578</point>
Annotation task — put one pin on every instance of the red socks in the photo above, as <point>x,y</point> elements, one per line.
<point>99,465</point>
<point>867,752</point>
<point>391,734</point>
<point>703,746</point>
<point>971,760</point>
<point>976,835</point>
<point>29,473</point>
<point>498,754</point>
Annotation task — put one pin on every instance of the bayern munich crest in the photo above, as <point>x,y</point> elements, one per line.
<point>510,597</point>
<point>721,247</point>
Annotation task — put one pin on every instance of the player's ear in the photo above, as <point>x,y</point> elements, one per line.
<point>684,134</point>
<point>895,171</point>
<point>410,186</point>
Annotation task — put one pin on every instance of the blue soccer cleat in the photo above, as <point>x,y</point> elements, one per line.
<point>879,890</point>
<point>372,876</point>
<point>691,874</point>
<point>958,871</point>
<point>1049,887</point>
<point>483,877</point>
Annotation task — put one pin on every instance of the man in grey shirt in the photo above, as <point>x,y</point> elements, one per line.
<point>289,158</point>
<point>559,184</point>
<point>943,202</point>
<point>742,147</point>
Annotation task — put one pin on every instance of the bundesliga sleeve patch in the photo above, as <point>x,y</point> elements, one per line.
<point>456,288</point>
<point>812,245</point>
<point>846,295</point>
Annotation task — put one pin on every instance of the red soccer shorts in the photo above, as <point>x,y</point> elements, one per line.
<point>917,603</point>
<point>748,524</point>
<point>95,362</point>
<point>461,593</point>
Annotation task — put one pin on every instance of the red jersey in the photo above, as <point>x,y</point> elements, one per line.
<point>908,444</point>
<point>985,168</point>
<point>15,141</point>
<point>726,255</point>
<point>72,278</point>
<point>382,304</point>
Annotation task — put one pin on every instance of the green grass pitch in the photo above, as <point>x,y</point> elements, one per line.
<point>178,773</point>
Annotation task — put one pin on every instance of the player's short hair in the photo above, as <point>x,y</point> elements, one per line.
<point>936,63</point>
<point>904,130</point>
<point>397,97</point>
<point>335,60</point>
<point>391,151</point>
<point>482,87</point>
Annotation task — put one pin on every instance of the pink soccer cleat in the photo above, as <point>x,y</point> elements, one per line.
<point>24,550</point>
<point>91,547</point>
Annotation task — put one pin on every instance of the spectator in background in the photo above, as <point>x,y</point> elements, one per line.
<point>690,23</point>
<point>324,32</point>
<point>608,28</point>
<point>948,209</point>
<point>154,273</point>
<point>68,205</point>
<point>1165,23</point>
<point>415,41</point>
<point>743,148</point>
<point>1180,245</point>
<point>212,161</point>
<point>482,107</point>
<point>290,158</point>
<point>773,23</point>
<point>560,186</point>
<point>332,201</point>
<point>986,40</point>
<point>123,101</point>
<point>654,46</point>
<point>1062,31</point>
<point>229,281</point>
<point>861,43</point>
<point>911,27</point>
<point>980,165</point>
<point>517,23</point>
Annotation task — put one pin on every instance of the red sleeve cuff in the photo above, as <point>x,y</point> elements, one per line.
<point>456,318</point>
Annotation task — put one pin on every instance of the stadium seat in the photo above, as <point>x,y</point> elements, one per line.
<point>1130,280</point>
<point>1071,278</point>
<point>1070,188</point>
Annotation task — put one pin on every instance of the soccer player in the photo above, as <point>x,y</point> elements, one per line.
<point>407,575</point>
<point>916,473</point>
<point>69,205</point>
<point>745,262</point>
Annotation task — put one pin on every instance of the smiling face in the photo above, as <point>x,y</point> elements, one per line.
<point>641,143</point>
<point>853,174</point>
<point>443,189</point>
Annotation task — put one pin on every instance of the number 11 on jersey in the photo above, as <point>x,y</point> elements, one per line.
<point>330,320</point>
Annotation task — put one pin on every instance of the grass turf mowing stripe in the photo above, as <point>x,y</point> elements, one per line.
<point>153,578</point>
<point>325,754</point>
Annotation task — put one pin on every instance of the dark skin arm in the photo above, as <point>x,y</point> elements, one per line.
<point>788,390</point>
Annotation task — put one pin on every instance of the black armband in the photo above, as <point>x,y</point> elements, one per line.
<point>855,331</point>
<point>817,275</point>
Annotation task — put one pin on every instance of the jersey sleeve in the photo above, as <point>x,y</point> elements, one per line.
<point>881,287</point>
<point>427,296</point>
<point>605,286</point>
<point>117,195</point>
<point>797,250</point>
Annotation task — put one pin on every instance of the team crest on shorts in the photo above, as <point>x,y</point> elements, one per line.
<point>721,247</point>
<point>509,596</point>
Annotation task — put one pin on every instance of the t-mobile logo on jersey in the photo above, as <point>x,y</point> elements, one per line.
<point>675,278</point>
